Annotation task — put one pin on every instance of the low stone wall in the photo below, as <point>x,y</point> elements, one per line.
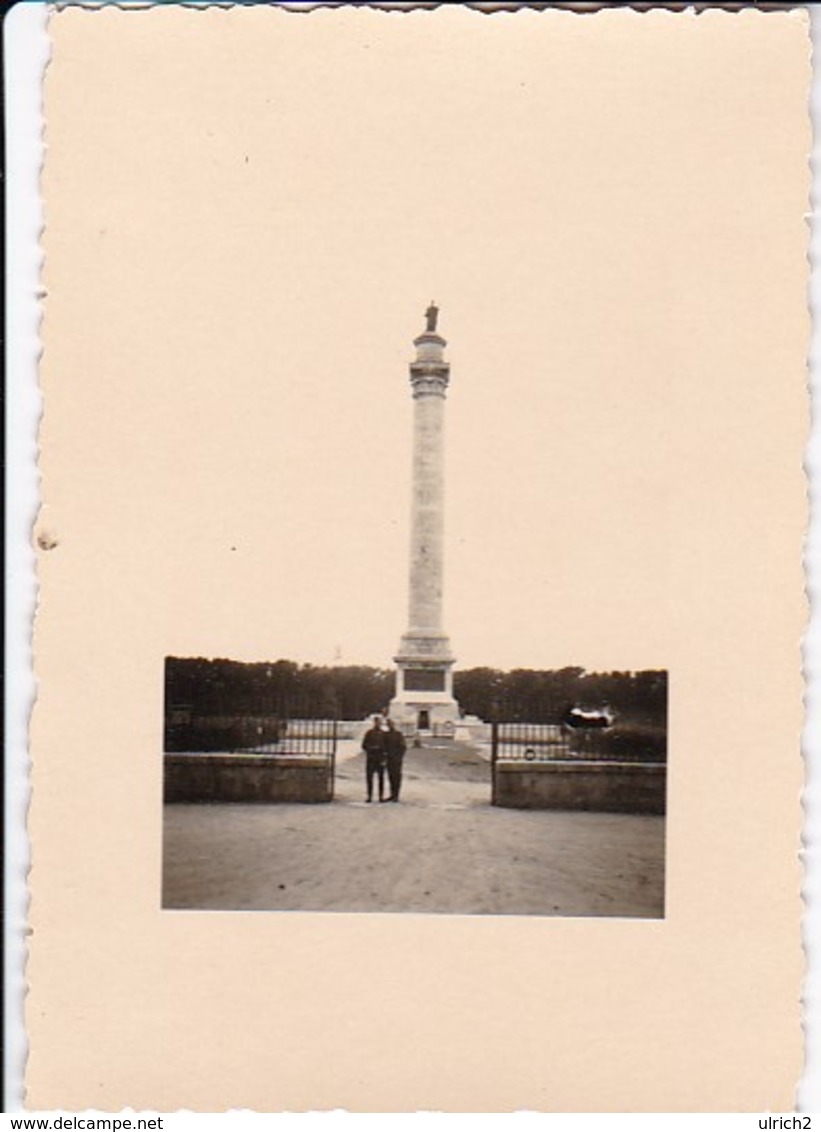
<point>606,787</point>
<point>246,778</point>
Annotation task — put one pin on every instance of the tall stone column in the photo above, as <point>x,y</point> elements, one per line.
<point>424,678</point>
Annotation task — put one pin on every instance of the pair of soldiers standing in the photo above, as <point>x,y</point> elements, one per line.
<point>384,749</point>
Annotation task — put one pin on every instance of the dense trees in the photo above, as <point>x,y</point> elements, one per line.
<point>225,704</point>
<point>283,688</point>
<point>637,703</point>
<point>538,696</point>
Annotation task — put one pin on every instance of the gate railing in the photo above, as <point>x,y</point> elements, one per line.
<point>528,742</point>
<point>546,742</point>
<point>314,739</point>
<point>301,738</point>
<point>531,741</point>
<point>274,735</point>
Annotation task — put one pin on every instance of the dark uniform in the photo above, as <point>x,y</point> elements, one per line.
<point>395,751</point>
<point>374,747</point>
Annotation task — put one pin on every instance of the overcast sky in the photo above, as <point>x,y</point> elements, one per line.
<point>290,223</point>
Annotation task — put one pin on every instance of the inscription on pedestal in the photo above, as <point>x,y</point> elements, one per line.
<point>424,680</point>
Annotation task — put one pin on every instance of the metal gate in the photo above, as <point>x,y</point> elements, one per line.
<point>527,742</point>
<point>309,739</point>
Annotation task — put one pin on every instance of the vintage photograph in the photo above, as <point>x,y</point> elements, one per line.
<point>522,792</point>
<point>418,629</point>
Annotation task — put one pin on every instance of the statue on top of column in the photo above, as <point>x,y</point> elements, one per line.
<point>431,314</point>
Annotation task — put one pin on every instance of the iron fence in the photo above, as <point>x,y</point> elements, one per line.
<point>306,738</point>
<point>544,741</point>
<point>309,739</point>
<point>275,734</point>
<point>281,730</point>
<point>531,741</point>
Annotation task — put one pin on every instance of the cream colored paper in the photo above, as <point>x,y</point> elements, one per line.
<point>247,211</point>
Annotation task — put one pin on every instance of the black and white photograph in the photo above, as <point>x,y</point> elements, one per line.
<point>523,791</point>
<point>417,641</point>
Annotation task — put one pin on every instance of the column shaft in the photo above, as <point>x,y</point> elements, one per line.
<point>427,515</point>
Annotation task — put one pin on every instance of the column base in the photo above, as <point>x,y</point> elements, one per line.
<point>422,715</point>
<point>424,701</point>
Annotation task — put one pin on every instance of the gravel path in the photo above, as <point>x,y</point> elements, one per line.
<point>442,849</point>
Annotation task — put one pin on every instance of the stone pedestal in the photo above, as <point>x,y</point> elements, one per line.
<point>424,683</point>
<point>424,678</point>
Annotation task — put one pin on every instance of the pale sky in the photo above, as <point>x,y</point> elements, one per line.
<point>291,222</point>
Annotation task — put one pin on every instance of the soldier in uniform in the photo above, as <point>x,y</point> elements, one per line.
<point>395,751</point>
<point>373,745</point>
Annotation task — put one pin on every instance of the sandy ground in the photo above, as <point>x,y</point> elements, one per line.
<point>443,848</point>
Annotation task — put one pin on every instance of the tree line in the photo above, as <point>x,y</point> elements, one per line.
<point>199,687</point>
<point>281,688</point>
<point>530,695</point>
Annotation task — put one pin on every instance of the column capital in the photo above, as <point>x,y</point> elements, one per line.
<point>429,372</point>
<point>429,378</point>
